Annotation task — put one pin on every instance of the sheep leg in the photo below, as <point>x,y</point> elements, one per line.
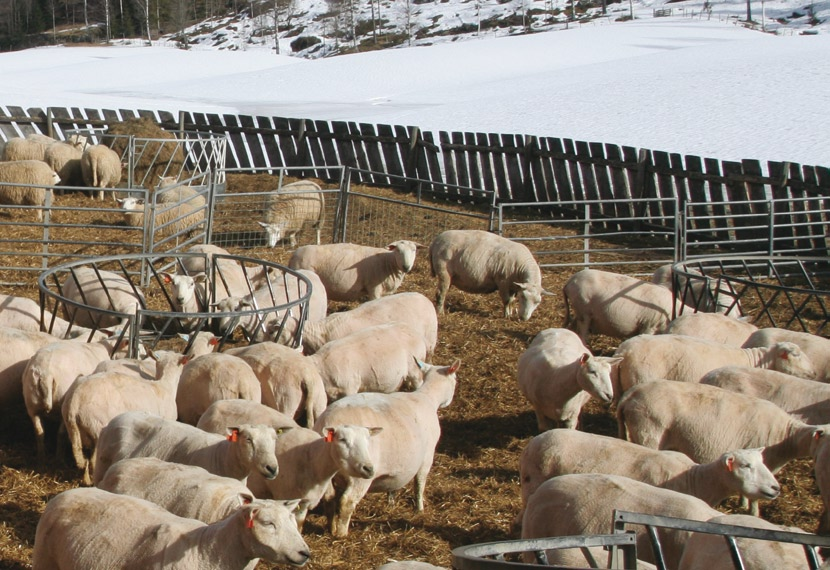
<point>507,297</point>
<point>355,490</point>
<point>40,438</point>
<point>444,282</point>
<point>421,481</point>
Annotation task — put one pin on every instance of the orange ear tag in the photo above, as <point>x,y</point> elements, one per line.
<point>250,523</point>
<point>329,436</point>
<point>234,435</point>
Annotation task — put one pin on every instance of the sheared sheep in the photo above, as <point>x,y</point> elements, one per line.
<point>100,167</point>
<point>714,327</point>
<point>287,211</point>
<point>476,261</point>
<point>177,210</point>
<point>92,528</point>
<point>817,348</point>
<point>24,314</point>
<point>36,173</point>
<point>350,271</point>
<point>100,289</point>
<point>18,347</point>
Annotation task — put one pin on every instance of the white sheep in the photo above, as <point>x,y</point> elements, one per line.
<point>664,414</point>
<point>30,147</point>
<point>820,451</point>
<point>18,347</point>
<point>350,272</point>
<point>185,490</point>
<point>308,460</point>
<point>411,308</point>
<point>706,551</point>
<point>52,370</point>
<point>177,210</point>
<point>715,327</point>
<point>381,358</point>
<point>584,503</point>
<point>287,211</point>
<point>65,159</point>
<point>687,359</point>
<point>246,447</point>
<point>100,167</point>
<point>27,183</point>
<point>93,400</point>
<point>212,377</point>
<point>92,528</point>
<point>817,348</point>
<point>806,400</point>
<point>403,449</point>
<point>100,289</point>
<point>700,294</point>
<point>561,451</point>
<point>290,382</point>
<point>24,314</point>
<point>558,375</point>
<point>232,279</point>
<point>477,261</point>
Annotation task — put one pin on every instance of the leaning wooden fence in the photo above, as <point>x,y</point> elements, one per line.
<point>515,168</point>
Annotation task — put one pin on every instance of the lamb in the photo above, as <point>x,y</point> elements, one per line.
<point>583,503</point>
<point>687,359</point>
<point>30,147</point>
<point>178,210</point>
<point>666,415</point>
<point>93,400</point>
<point>350,272</point>
<point>558,375</point>
<point>290,382</point>
<point>232,279</point>
<point>18,347</point>
<point>65,159</point>
<point>99,289</point>
<point>411,308</point>
<point>308,461</point>
<point>188,296</point>
<point>561,451</point>
<point>806,400</point>
<point>476,261</point>
<point>820,452</point>
<point>212,377</point>
<point>705,551</point>
<point>101,168</point>
<point>27,183</point>
<point>52,370</point>
<point>817,348</point>
<point>405,445</point>
<point>293,206</point>
<point>714,327</point>
<point>24,314</point>
<point>184,490</point>
<point>222,414</point>
<point>616,305</point>
<point>246,448</point>
<point>93,528</point>
<point>380,358</point>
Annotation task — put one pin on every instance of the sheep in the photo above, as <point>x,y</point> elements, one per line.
<point>93,528</point>
<point>101,168</point>
<point>404,447</point>
<point>188,296</point>
<point>687,359</point>
<point>246,448</point>
<point>24,314</point>
<point>232,279</point>
<point>30,147</point>
<point>700,294</point>
<point>27,183</point>
<point>561,451</point>
<point>715,327</point>
<point>476,261</point>
<point>52,370</point>
<point>558,375</point>
<point>705,551</point>
<point>93,400</point>
<point>814,346</point>
<point>584,503</point>
<point>411,308</point>
<point>380,358</point>
<point>806,400</point>
<point>212,377</point>
<point>185,490</point>
<point>177,210</point>
<point>290,382</point>
<point>18,347</point>
<point>65,159</point>
<point>820,451</point>
<point>350,272</point>
<point>104,290</point>
<point>307,460</point>
<point>615,305</point>
<point>293,206</point>
<point>664,414</point>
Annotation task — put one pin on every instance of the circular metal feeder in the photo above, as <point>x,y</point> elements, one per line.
<point>278,313</point>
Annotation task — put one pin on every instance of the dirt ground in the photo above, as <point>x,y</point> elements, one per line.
<point>472,494</point>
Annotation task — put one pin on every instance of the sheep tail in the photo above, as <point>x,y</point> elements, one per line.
<point>567,320</point>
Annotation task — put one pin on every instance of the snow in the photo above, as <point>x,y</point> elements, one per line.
<point>687,85</point>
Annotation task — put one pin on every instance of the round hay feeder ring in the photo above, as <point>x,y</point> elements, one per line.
<point>132,296</point>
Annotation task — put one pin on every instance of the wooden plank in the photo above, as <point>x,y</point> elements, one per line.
<point>8,129</point>
<point>815,229</point>
<point>737,194</point>
<point>512,146</point>
<point>573,170</point>
<point>561,171</point>
<point>586,170</point>
<point>460,159</point>
<point>253,142</point>
<point>406,137</point>
<point>697,194</point>
<point>314,142</point>
<point>420,159</point>
<point>473,157</point>
<point>532,170</point>
<point>619,188</point>
<point>546,182</point>
<point>662,215</point>
<point>272,157</point>
<point>786,210</point>
<point>602,181</point>
<point>449,164</point>
<point>488,180</point>
<point>759,193</point>
<point>343,143</point>
<point>499,169</point>
<point>432,152</point>
<point>243,157</point>
<point>374,158</point>
<point>327,143</point>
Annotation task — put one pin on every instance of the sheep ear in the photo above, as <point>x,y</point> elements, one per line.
<point>184,336</point>
<point>329,434</point>
<point>584,358</point>
<point>168,278</point>
<point>391,247</point>
<point>245,498</point>
<point>784,355</point>
<point>454,366</point>
<point>233,434</point>
<point>374,430</point>
<point>251,515</point>
<point>283,429</point>
<point>730,463</point>
<point>422,365</point>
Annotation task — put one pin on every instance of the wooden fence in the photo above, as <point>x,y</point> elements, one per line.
<point>517,168</point>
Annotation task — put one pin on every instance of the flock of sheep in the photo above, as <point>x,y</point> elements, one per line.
<point>214,459</point>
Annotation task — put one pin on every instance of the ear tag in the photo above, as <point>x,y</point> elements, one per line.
<point>234,435</point>
<point>730,465</point>
<point>250,522</point>
<point>329,436</point>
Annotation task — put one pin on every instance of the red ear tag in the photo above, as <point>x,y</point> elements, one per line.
<point>250,523</point>
<point>329,436</point>
<point>234,435</point>
<point>730,464</point>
